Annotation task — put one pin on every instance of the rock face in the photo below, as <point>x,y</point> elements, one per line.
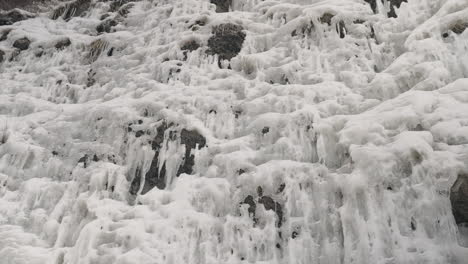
<point>373,5</point>
<point>95,49</point>
<point>226,41</point>
<point>22,43</point>
<point>106,26</point>
<point>459,27</point>
<point>222,6</point>
<point>191,139</point>
<point>156,175</point>
<point>393,5</point>
<point>2,56</point>
<point>73,9</point>
<point>13,16</point>
<point>63,43</point>
<point>459,199</point>
<point>117,4</point>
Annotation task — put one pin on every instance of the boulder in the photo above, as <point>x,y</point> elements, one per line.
<point>226,41</point>
<point>63,43</point>
<point>22,43</point>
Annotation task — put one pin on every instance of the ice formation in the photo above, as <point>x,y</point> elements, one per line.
<point>234,131</point>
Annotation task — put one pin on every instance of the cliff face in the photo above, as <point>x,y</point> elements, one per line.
<point>243,131</point>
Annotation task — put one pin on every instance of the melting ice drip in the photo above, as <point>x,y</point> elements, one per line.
<point>243,131</point>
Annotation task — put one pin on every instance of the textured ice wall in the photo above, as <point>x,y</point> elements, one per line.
<point>334,136</point>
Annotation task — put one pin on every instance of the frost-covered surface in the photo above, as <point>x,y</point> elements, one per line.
<point>354,124</point>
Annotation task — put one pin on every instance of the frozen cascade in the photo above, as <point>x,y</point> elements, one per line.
<point>234,131</point>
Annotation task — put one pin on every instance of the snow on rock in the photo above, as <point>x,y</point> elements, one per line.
<point>243,131</point>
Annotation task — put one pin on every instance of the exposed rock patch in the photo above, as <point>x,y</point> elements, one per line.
<point>459,199</point>
<point>226,41</point>
<point>13,16</point>
<point>156,175</point>
<point>459,27</point>
<point>4,34</point>
<point>394,4</point>
<point>72,9</point>
<point>106,25</point>
<point>2,56</point>
<point>63,43</point>
<point>191,139</point>
<point>95,49</point>
<point>222,6</point>
<point>22,43</point>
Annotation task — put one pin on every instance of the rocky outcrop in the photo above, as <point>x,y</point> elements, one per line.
<point>72,9</point>
<point>22,43</point>
<point>156,175</point>
<point>106,25</point>
<point>459,199</point>
<point>13,16</point>
<point>393,5</point>
<point>226,41</point>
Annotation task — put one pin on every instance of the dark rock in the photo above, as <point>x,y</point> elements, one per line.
<point>252,206</point>
<point>62,44</point>
<point>281,188</point>
<point>2,56</point>
<point>104,16</point>
<point>226,41</point>
<point>270,204</point>
<point>95,49</point>
<point>265,130</point>
<point>95,158</point>
<point>72,9</point>
<point>5,33</point>
<point>395,4</point>
<point>84,160</point>
<point>91,80</point>
<point>110,52</point>
<point>55,153</point>
<point>139,133</point>
<point>13,16</point>
<point>136,182</point>
<point>190,45</point>
<point>222,6</point>
<point>413,224</point>
<point>294,234</point>
<point>156,176</point>
<point>106,25</point>
<point>459,199</point>
<point>326,18</point>
<point>459,27</point>
<point>125,10</point>
<point>117,4</point>
<point>259,191</point>
<point>22,43</point>
<point>191,139</point>
<point>341,29</point>
<point>373,5</point>
<point>14,54</point>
